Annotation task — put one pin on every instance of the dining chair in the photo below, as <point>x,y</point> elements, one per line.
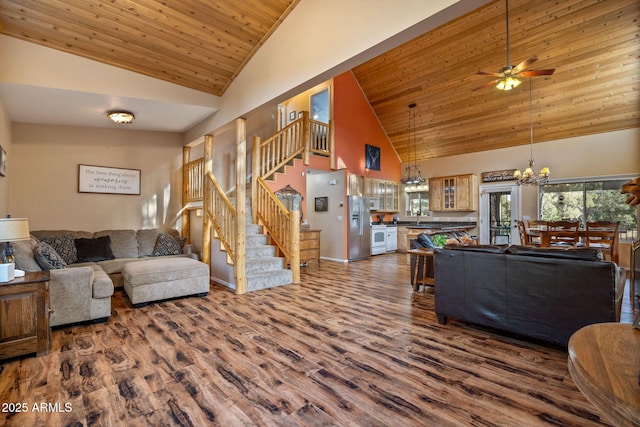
<point>603,235</point>
<point>534,229</point>
<point>562,234</point>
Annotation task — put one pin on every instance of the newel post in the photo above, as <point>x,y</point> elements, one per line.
<point>241,206</point>
<point>306,137</point>
<point>206,203</point>
<point>186,216</point>
<point>294,250</point>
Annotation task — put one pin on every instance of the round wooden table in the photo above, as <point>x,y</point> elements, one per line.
<point>604,362</point>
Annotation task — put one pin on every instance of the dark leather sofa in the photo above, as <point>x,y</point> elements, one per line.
<point>544,294</point>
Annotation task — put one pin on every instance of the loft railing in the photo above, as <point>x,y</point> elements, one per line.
<point>222,216</point>
<point>193,177</point>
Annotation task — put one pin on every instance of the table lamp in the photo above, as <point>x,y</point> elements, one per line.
<point>11,230</point>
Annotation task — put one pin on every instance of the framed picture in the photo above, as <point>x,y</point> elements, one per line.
<point>292,116</point>
<point>322,204</point>
<point>372,156</point>
<point>636,322</point>
<point>300,114</point>
<point>102,179</point>
<point>3,162</point>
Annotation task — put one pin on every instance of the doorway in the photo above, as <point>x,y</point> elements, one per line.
<point>499,214</point>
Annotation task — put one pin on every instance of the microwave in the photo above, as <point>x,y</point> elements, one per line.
<point>374,203</point>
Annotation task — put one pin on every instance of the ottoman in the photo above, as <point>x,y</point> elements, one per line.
<point>164,278</point>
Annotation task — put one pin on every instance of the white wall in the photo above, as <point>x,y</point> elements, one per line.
<point>44,167</point>
<point>332,223</point>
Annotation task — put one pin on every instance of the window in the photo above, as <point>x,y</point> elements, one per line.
<point>418,203</point>
<point>597,200</point>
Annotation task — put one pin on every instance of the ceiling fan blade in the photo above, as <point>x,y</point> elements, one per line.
<point>486,73</point>
<point>534,73</point>
<point>525,64</point>
<point>486,85</point>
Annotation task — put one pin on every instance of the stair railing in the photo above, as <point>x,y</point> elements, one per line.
<point>219,210</point>
<point>283,226</point>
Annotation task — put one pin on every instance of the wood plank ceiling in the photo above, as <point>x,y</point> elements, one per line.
<point>200,44</point>
<point>203,44</point>
<point>592,44</point>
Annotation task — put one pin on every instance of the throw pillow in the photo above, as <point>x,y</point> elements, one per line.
<point>94,250</point>
<point>168,245</point>
<point>65,247</point>
<point>23,250</point>
<point>47,257</point>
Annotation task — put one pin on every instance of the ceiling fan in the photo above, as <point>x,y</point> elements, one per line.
<point>509,76</point>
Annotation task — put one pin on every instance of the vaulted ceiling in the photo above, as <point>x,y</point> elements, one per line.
<point>592,44</point>
<point>201,44</point>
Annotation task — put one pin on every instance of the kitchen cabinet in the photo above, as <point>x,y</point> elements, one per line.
<point>387,192</point>
<point>355,185</point>
<point>392,238</point>
<point>403,242</point>
<point>453,193</point>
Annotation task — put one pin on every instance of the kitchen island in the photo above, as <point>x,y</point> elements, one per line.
<point>409,230</point>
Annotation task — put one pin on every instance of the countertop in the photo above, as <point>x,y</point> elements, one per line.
<point>432,225</point>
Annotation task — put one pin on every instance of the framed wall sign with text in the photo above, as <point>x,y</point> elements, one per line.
<point>102,179</point>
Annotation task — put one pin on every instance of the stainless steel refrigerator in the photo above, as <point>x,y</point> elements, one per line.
<point>359,238</point>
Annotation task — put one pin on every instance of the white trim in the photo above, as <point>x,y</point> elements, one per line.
<point>592,178</point>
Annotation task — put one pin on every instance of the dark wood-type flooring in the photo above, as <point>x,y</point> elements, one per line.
<point>347,347</point>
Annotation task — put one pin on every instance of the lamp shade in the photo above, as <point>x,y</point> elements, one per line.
<point>14,229</point>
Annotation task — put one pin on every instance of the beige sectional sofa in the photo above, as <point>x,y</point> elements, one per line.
<point>82,290</point>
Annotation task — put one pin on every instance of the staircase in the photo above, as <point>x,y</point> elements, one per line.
<point>263,268</point>
<point>246,231</point>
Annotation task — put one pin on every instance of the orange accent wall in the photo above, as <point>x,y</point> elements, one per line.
<point>355,126</point>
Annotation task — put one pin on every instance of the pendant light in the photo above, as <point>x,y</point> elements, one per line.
<point>412,175</point>
<point>529,176</point>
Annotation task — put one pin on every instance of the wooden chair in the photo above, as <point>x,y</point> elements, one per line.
<point>534,230</point>
<point>603,235</point>
<point>562,234</point>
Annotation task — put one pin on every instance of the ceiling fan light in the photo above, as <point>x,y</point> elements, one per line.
<point>121,117</point>
<point>508,83</point>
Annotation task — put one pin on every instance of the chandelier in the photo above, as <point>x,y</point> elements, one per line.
<point>412,175</point>
<point>530,176</point>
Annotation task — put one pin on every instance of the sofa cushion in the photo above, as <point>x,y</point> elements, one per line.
<point>584,254</point>
<point>25,257</point>
<point>97,249</point>
<point>168,245</point>
<point>47,258</point>
<point>124,243</point>
<point>147,241</point>
<point>65,246</point>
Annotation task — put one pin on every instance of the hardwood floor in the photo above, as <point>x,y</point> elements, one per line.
<point>349,347</point>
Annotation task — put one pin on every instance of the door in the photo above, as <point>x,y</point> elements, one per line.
<point>500,207</point>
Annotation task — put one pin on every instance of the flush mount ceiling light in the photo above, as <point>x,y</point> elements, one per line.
<point>121,117</point>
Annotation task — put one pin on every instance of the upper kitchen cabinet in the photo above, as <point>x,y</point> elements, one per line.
<point>453,193</point>
<point>355,185</point>
<point>387,193</point>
